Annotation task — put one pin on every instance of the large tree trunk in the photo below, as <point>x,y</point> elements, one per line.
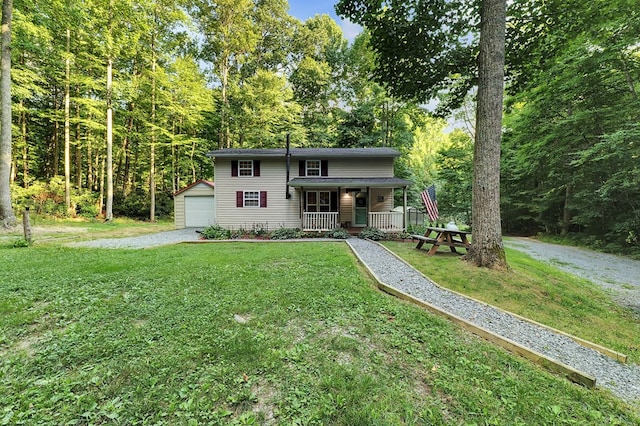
<point>7,217</point>
<point>487,248</point>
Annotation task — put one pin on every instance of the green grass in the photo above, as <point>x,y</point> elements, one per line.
<point>149,337</point>
<point>51,231</point>
<point>537,291</point>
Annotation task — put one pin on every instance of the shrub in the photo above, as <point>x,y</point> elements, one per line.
<point>259,230</point>
<point>339,233</point>
<point>372,233</point>
<point>86,204</point>
<point>215,232</point>
<point>285,234</point>
<point>20,243</point>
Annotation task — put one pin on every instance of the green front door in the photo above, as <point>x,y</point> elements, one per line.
<point>361,209</point>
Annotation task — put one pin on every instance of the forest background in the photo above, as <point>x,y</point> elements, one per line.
<point>189,77</point>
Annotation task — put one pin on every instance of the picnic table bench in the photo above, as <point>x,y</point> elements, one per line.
<point>442,237</point>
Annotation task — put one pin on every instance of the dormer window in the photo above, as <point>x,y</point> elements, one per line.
<point>313,168</point>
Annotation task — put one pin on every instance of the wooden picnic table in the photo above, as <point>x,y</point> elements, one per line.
<point>443,237</point>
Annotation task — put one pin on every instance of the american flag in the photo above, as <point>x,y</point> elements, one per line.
<point>430,202</point>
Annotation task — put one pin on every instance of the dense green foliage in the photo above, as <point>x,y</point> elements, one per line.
<point>250,334</point>
<point>255,75</point>
<point>572,138</point>
<point>571,135</point>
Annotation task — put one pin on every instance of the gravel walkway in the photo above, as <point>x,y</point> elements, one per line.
<point>622,379</point>
<point>618,275</point>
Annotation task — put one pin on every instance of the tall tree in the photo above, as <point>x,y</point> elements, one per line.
<point>487,248</point>
<point>423,48</point>
<point>230,34</point>
<point>7,216</point>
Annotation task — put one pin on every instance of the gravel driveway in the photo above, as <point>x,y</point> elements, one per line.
<point>143,241</point>
<point>618,275</point>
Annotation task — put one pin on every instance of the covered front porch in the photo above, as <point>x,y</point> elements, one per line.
<point>330,203</point>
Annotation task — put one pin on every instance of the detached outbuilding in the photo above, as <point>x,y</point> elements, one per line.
<point>195,205</point>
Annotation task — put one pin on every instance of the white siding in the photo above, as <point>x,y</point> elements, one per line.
<point>381,206</point>
<point>354,168</point>
<point>280,211</point>
<point>346,206</point>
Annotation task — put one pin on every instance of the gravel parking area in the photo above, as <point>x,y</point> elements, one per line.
<point>618,275</point>
<point>622,379</point>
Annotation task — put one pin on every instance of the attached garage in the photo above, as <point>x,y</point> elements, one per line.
<point>195,205</point>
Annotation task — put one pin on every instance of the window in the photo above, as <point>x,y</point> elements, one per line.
<point>318,201</point>
<point>251,199</point>
<point>313,168</point>
<point>245,168</point>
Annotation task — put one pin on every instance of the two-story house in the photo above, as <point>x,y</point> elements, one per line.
<point>314,189</point>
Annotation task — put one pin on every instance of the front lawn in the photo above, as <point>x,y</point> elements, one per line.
<point>248,333</point>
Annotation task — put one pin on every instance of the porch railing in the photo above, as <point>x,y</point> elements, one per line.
<point>386,221</point>
<point>319,221</point>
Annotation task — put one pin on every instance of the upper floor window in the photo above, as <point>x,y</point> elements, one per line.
<point>313,168</point>
<point>246,168</point>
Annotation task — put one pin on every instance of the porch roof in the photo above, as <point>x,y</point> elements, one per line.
<point>323,182</point>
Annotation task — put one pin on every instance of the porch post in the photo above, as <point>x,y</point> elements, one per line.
<point>339,198</point>
<point>368,204</point>
<point>301,203</point>
<point>404,208</point>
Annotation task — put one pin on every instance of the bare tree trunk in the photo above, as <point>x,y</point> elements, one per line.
<point>25,146</point>
<point>152,154</point>
<point>566,214</point>
<point>174,182</point>
<point>78,150</point>
<point>487,248</point>
<point>67,126</point>
<point>55,141</point>
<point>108,216</point>
<point>7,216</point>
<point>90,168</point>
<point>102,186</point>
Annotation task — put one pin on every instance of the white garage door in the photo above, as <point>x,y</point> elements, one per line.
<point>199,211</point>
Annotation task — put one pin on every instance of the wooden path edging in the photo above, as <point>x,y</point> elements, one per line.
<point>620,357</point>
<point>570,373</point>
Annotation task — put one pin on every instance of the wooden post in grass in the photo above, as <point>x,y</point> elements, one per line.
<point>26,225</point>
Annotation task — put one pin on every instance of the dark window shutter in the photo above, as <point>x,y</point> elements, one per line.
<point>263,198</point>
<point>239,199</point>
<point>256,168</point>
<point>302,169</point>
<point>234,168</point>
<point>334,201</point>
<point>324,168</point>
